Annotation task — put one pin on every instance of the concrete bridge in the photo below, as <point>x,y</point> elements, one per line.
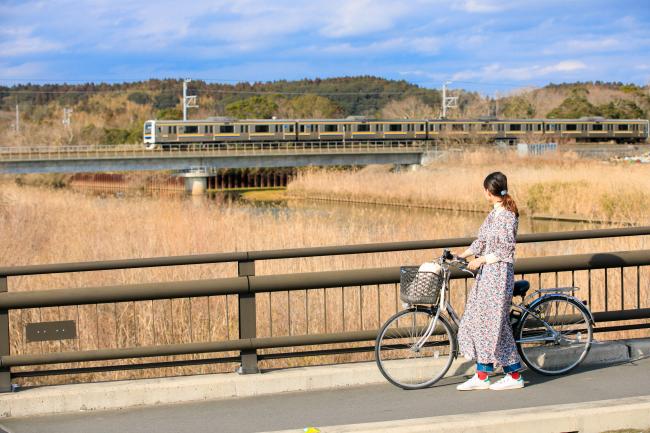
<point>80,159</point>
<point>611,387</point>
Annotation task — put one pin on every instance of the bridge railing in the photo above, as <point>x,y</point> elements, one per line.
<point>174,150</point>
<point>248,347</point>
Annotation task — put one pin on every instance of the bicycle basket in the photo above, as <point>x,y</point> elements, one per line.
<point>417,287</point>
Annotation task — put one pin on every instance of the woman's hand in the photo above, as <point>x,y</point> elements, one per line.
<point>476,263</point>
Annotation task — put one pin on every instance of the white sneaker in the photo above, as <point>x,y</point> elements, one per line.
<point>474,383</point>
<point>507,382</point>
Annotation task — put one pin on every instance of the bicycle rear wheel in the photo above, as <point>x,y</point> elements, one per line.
<point>555,336</point>
<point>406,356</point>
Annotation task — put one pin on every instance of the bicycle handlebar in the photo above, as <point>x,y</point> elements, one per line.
<point>458,261</point>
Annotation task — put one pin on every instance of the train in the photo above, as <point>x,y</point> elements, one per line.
<point>178,133</point>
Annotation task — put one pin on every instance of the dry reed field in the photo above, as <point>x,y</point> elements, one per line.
<point>557,184</point>
<point>52,226</point>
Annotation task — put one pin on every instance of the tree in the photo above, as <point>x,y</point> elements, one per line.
<point>255,107</point>
<point>574,106</point>
<point>621,109</point>
<point>310,107</point>
<point>518,107</point>
<point>139,98</point>
<point>166,100</point>
<point>169,114</point>
<point>410,107</point>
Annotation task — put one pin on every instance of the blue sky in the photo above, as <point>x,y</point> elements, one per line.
<point>484,45</point>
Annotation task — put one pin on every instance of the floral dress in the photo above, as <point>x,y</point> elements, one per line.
<point>485,334</point>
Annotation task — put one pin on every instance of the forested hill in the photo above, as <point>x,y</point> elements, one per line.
<point>349,95</point>
<point>114,113</point>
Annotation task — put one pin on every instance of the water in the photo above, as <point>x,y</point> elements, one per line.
<point>374,218</point>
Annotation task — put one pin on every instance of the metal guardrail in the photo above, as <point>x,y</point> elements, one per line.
<point>211,149</point>
<point>246,285</point>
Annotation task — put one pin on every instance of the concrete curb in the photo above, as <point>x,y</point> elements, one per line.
<point>132,393</point>
<point>590,417</point>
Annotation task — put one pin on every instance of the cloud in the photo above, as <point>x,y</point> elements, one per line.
<point>359,17</point>
<point>18,41</point>
<point>495,72</point>
<point>18,71</point>
<point>482,6</point>
<point>587,45</point>
<point>422,45</point>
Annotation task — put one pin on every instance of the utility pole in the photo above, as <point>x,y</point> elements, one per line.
<point>67,117</point>
<point>496,104</point>
<point>447,101</point>
<point>17,125</point>
<point>188,101</point>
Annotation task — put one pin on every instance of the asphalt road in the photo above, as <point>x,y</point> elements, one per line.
<point>348,406</point>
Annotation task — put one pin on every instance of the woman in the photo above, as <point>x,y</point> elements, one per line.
<point>485,333</point>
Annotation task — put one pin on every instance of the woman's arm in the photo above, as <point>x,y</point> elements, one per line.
<point>504,248</point>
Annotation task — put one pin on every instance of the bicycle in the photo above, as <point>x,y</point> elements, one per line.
<point>416,346</point>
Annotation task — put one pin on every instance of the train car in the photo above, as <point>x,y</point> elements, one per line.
<point>359,128</point>
<point>597,129</point>
<point>178,133</point>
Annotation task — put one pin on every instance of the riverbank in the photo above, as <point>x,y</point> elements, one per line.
<point>558,185</point>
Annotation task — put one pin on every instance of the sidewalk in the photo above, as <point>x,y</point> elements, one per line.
<point>147,392</point>
<point>590,417</point>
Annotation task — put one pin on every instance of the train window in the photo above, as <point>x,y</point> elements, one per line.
<point>302,128</point>
<point>457,127</point>
<point>623,127</point>
<point>364,127</point>
<point>261,128</point>
<point>538,127</point>
<point>395,127</point>
<point>172,129</point>
<point>571,127</point>
<point>515,127</point>
<point>486,127</point>
<point>421,127</point>
<point>191,129</point>
<point>597,127</point>
<point>331,128</point>
<point>288,128</point>
<point>226,129</point>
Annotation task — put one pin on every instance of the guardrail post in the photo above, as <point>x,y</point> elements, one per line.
<point>5,372</point>
<point>247,320</point>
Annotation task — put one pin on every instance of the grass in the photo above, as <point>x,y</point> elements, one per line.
<point>42,225</point>
<point>561,184</point>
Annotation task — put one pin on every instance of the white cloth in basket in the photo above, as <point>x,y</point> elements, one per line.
<point>430,267</point>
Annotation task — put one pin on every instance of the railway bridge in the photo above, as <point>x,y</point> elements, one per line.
<point>197,163</point>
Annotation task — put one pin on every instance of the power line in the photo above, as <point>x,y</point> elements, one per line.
<point>248,92</point>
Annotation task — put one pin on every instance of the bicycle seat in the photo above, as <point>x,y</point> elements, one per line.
<point>521,287</point>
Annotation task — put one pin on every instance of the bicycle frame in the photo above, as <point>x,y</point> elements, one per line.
<point>443,304</point>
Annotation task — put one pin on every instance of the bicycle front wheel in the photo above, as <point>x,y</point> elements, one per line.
<point>410,358</point>
<point>555,335</point>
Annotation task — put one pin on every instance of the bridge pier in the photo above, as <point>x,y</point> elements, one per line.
<point>196,181</point>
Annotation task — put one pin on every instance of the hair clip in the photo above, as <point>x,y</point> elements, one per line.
<point>504,192</point>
